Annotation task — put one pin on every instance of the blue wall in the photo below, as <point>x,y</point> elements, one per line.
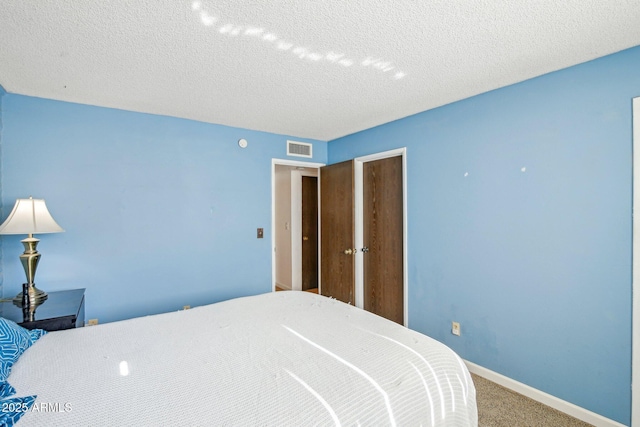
<point>159,212</point>
<point>534,263</point>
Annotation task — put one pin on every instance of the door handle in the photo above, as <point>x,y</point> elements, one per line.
<point>305,238</point>
<point>350,251</point>
<point>365,249</point>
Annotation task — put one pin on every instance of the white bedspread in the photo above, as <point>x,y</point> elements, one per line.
<point>284,358</point>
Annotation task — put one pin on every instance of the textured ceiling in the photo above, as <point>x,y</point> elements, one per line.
<point>312,69</point>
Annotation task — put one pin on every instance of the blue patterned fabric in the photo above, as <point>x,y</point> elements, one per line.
<point>14,340</point>
<point>11,410</point>
<point>6,390</point>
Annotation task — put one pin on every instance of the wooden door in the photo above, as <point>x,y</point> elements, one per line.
<point>309,232</point>
<point>383,238</point>
<point>337,271</point>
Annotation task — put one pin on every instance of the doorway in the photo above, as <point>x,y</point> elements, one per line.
<point>309,225</point>
<point>294,258</point>
<point>351,266</point>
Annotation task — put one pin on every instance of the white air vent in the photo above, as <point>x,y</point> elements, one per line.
<point>299,149</point>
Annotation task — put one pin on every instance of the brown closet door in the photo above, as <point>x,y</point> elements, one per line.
<point>382,236</point>
<point>309,232</point>
<point>337,271</point>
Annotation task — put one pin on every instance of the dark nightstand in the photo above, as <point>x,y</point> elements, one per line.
<point>61,310</point>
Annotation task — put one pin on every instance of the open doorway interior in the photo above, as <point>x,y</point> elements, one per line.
<point>295,227</point>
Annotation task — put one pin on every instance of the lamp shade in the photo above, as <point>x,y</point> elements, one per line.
<point>30,216</point>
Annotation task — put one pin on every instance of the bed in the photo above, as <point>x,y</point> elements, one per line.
<point>282,358</point>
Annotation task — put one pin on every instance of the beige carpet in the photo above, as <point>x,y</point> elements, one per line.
<point>501,407</point>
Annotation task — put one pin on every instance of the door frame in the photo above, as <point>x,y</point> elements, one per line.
<point>635,322</point>
<point>359,225</point>
<point>294,242</point>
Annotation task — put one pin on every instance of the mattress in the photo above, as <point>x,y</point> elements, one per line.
<point>282,358</point>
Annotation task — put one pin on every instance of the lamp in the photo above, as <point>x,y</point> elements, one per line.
<point>30,216</point>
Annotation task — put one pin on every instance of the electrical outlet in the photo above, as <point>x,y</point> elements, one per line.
<point>92,322</point>
<point>186,307</point>
<point>455,328</point>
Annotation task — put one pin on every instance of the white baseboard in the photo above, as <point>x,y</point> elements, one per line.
<point>283,286</point>
<point>542,397</point>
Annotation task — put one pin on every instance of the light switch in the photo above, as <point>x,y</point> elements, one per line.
<point>260,233</point>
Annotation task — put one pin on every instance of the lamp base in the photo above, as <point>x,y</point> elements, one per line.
<point>37,296</point>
